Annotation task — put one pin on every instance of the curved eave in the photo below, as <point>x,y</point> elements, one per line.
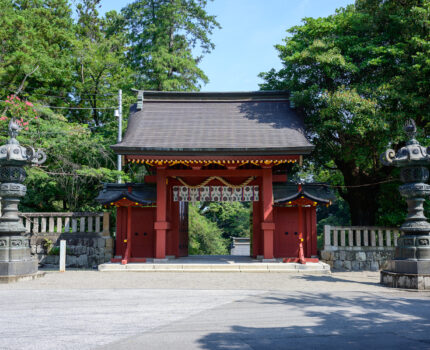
<point>123,195</point>
<point>303,194</point>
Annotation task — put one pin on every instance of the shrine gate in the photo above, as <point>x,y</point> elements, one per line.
<point>199,146</point>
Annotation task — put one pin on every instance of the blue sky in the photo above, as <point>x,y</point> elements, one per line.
<point>250,29</point>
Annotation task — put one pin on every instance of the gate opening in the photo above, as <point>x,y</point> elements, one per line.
<point>215,228</point>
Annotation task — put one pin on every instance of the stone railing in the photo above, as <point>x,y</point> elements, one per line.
<point>87,237</point>
<point>66,222</point>
<point>341,237</point>
<point>359,247</point>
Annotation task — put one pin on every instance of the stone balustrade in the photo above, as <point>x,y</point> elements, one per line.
<point>66,222</point>
<point>359,247</point>
<point>87,236</point>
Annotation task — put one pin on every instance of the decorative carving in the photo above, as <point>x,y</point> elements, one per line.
<point>13,129</point>
<point>410,128</point>
<point>16,243</point>
<point>215,194</point>
<point>388,156</point>
<point>423,241</point>
<point>3,243</point>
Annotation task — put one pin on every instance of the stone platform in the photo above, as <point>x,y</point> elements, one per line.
<point>17,278</point>
<point>217,264</point>
<point>405,280</point>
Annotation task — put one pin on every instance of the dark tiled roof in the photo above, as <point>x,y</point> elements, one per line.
<point>319,193</point>
<point>140,193</point>
<point>172,123</point>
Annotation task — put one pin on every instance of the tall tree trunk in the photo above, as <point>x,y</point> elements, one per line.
<point>359,193</point>
<point>363,204</point>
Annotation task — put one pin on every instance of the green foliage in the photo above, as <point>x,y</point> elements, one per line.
<point>162,35</point>
<point>233,218</point>
<point>205,237</point>
<point>212,226</point>
<point>50,58</point>
<point>356,76</point>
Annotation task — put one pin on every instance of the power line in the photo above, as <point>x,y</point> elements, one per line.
<point>351,186</point>
<point>79,108</point>
<point>65,97</point>
<point>66,92</point>
<point>75,108</point>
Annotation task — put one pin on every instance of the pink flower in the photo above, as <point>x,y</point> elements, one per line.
<point>35,117</point>
<point>29,104</point>
<point>26,128</point>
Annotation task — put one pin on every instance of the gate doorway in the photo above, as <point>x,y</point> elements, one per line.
<point>213,226</point>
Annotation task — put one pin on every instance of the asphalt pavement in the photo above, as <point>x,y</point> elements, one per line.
<point>131,310</point>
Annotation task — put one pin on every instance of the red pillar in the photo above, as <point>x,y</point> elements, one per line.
<point>267,225</point>
<point>256,225</point>
<point>128,248</point>
<point>161,225</point>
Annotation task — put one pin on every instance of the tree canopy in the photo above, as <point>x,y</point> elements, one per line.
<point>357,76</point>
<point>70,68</point>
<point>163,34</point>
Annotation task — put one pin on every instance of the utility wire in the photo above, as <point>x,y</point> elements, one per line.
<point>74,108</point>
<point>68,97</point>
<point>66,92</point>
<point>79,108</point>
<point>352,186</point>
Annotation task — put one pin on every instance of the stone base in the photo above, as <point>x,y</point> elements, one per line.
<point>420,267</point>
<point>13,279</point>
<point>18,268</point>
<point>405,280</point>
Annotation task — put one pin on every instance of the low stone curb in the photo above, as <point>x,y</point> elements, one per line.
<point>255,267</point>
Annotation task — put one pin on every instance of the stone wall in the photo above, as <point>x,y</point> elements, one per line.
<point>367,258</point>
<point>87,236</point>
<point>84,250</point>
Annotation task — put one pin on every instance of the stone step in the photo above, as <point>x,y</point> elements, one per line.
<point>319,268</point>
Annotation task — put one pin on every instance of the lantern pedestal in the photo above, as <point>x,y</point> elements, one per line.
<point>411,266</point>
<point>16,261</point>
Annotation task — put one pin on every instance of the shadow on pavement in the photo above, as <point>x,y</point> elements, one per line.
<point>327,321</point>
<point>331,278</point>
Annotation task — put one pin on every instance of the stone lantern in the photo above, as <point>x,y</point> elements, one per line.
<point>15,257</point>
<point>410,267</point>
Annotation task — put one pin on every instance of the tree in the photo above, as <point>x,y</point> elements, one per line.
<point>100,64</point>
<point>37,43</point>
<point>205,236</point>
<point>356,76</point>
<point>163,34</point>
<point>233,218</point>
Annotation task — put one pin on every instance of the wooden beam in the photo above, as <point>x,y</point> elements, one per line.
<point>151,179</point>
<point>215,172</point>
<point>196,158</point>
